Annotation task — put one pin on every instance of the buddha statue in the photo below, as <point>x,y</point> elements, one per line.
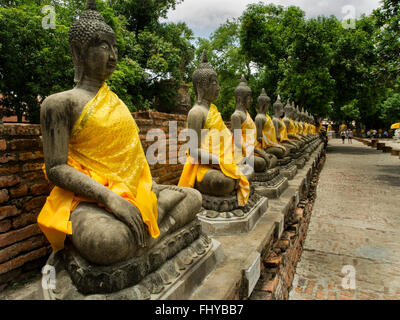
<point>104,204</point>
<point>212,166</point>
<point>298,123</point>
<point>266,135</point>
<point>291,128</point>
<point>247,141</point>
<point>280,127</point>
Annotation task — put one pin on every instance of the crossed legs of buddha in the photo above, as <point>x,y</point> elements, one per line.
<point>104,240</point>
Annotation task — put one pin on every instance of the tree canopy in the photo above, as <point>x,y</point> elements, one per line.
<point>334,72</point>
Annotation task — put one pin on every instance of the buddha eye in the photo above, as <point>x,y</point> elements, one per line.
<point>105,46</point>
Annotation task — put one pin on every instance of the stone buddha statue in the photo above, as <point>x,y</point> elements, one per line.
<point>212,166</point>
<point>290,126</point>
<point>247,141</point>
<point>280,127</point>
<point>266,135</point>
<point>104,205</point>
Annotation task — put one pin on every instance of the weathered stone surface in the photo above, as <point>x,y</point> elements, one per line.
<point>238,221</point>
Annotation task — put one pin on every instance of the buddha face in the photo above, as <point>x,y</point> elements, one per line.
<point>101,57</point>
<point>262,106</point>
<point>210,90</point>
<point>248,100</point>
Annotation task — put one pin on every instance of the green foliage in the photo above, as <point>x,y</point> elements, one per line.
<point>387,39</point>
<point>153,57</point>
<point>390,109</point>
<point>34,62</point>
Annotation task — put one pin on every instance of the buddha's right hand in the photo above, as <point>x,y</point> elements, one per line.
<point>130,215</point>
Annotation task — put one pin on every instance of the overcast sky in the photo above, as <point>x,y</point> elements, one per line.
<point>204,16</point>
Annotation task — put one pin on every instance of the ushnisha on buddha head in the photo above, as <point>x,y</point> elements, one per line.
<point>93,45</point>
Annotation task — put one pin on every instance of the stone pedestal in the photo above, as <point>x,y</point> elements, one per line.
<point>271,184</point>
<point>301,162</point>
<point>240,220</point>
<point>170,270</point>
<point>289,170</point>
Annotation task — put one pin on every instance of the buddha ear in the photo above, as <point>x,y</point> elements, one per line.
<point>77,59</point>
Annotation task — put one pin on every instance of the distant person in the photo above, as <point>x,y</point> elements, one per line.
<point>368,134</point>
<point>386,134</point>
<point>350,136</point>
<point>343,135</point>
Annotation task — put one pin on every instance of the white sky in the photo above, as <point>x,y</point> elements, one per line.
<point>204,16</point>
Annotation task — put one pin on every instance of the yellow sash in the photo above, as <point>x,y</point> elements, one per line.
<point>283,132</point>
<point>249,136</point>
<point>104,145</point>
<point>269,135</point>
<point>217,141</point>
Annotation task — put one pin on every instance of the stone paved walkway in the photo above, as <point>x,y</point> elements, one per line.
<point>354,228</point>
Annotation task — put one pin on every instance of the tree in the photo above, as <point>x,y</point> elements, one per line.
<point>387,39</point>
<point>34,62</point>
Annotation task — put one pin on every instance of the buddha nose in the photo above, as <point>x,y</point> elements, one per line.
<point>113,54</point>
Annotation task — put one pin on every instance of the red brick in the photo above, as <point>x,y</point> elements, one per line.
<point>273,262</point>
<point>9,169</point>
<point>20,191</point>
<point>21,260</point>
<point>9,181</point>
<point>18,235</point>
<point>23,156</point>
<point>8,211</point>
<point>23,246</point>
<point>3,145</point>
<point>8,157</point>
<point>24,144</point>
<point>40,188</point>
<point>310,287</point>
<point>332,296</point>
<point>32,167</point>
<point>24,219</point>
<point>4,195</point>
<point>28,130</point>
<point>261,295</point>
<point>35,203</point>
<point>5,226</point>
<point>320,293</point>
<point>32,176</point>
<point>347,293</point>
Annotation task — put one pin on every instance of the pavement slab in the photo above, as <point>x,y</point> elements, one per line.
<point>351,250</point>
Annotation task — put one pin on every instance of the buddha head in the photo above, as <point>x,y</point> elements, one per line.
<point>243,94</point>
<point>93,45</point>
<point>297,114</point>
<point>288,110</point>
<point>278,107</point>
<point>205,81</point>
<point>263,102</point>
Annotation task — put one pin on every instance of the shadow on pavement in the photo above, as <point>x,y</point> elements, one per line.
<point>353,150</point>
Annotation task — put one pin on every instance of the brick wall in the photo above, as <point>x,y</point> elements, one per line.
<point>23,189</point>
